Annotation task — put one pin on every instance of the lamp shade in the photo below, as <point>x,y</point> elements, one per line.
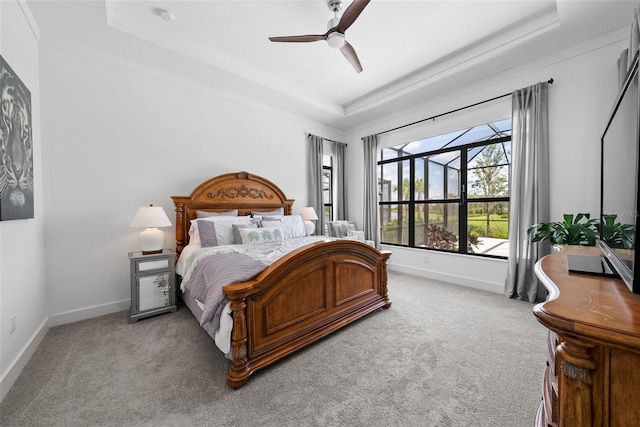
<point>309,213</point>
<point>150,216</point>
<point>151,240</point>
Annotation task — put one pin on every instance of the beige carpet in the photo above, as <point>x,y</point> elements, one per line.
<point>442,355</point>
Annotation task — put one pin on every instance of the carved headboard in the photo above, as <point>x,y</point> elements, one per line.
<point>239,190</point>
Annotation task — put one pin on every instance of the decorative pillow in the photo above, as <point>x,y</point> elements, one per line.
<point>205,214</point>
<point>338,228</point>
<point>355,235</point>
<point>253,236</point>
<point>207,232</point>
<point>223,230</point>
<point>237,239</point>
<point>277,212</point>
<point>292,225</point>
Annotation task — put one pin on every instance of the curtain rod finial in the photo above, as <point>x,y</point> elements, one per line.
<point>550,81</point>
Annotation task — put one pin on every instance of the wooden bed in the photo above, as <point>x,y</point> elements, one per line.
<point>298,299</point>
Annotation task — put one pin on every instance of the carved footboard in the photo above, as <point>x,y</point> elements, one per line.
<point>301,298</point>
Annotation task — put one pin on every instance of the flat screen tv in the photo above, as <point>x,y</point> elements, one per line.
<point>619,208</point>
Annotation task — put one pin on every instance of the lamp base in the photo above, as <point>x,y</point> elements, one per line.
<point>310,227</point>
<point>151,241</point>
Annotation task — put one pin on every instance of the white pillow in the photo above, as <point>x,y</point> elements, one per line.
<point>276,212</point>
<point>270,222</point>
<point>255,236</point>
<point>293,225</point>
<point>194,235</point>
<point>355,235</point>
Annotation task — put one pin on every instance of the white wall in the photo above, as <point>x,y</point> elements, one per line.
<point>22,256</point>
<point>120,136</point>
<point>580,99</point>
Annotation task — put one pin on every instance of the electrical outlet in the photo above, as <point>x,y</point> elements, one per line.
<point>13,324</point>
<point>426,260</point>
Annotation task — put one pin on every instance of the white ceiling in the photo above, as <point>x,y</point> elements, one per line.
<point>404,46</point>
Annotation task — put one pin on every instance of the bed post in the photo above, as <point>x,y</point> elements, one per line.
<point>385,296</point>
<point>179,224</point>
<point>238,373</point>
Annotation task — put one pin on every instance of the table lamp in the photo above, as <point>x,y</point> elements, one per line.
<point>151,240</point>
<point>309,215</point>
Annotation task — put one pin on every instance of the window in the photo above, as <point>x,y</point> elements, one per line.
<point>327,189</point>
<point>440,191</point>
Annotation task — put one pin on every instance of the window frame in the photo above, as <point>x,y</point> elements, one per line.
<point>463,201</point>
<point>328,206</point>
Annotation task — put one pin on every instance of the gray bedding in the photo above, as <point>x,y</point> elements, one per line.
<point>208,269</point>
<point>210,275</point>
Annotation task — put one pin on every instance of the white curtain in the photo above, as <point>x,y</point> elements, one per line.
<point>314,190</point>
<point>340,167</point>
<point>371,227</point>
<point>529,189</point>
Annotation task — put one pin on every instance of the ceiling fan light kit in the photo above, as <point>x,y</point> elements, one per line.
<point>335,40</point>
<point>336,28</point>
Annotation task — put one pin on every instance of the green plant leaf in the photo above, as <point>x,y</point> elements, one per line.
<point>568,219</point>
<point>577,229</point>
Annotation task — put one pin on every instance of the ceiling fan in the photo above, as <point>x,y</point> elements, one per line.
<point>335,31</point>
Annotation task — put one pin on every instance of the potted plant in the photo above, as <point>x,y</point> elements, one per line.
<point>617,235</point>
<point>578,230</point>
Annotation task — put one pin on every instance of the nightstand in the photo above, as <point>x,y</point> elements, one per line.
<point>152,284</point>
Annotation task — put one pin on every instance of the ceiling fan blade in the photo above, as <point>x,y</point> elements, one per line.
<point>349,52</point>
<point>351,14</point>
<point>299,39</point>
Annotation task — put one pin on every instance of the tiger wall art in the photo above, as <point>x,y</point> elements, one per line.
<point>16,147</point>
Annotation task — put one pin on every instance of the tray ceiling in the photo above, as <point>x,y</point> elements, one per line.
<point>405,47</point>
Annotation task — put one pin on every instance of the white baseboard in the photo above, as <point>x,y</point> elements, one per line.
<point>89,312</point>
<point>10,377</point>
<point>457,280</point>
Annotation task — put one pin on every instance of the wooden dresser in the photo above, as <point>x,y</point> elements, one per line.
<point>593,370</point>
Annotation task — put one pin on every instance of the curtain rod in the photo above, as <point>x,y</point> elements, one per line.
<point>550,81</point>
<point>337,142</point>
